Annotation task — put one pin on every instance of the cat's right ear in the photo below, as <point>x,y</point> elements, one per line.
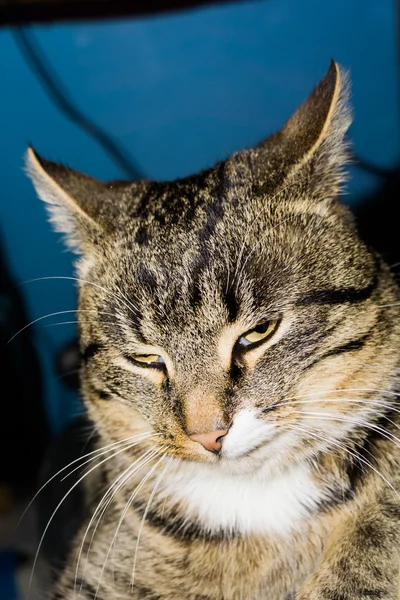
<point>311,146</point>
<point>81,207</point>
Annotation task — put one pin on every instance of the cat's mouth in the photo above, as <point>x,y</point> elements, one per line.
<point>250,458</point>
<point>246,436</point>
<point>246,446</point>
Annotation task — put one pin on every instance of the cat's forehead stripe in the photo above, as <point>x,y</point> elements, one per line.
<point>351,295</point>
<point>231,303</point>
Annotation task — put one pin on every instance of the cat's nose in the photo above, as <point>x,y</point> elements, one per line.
<point>212,440</point>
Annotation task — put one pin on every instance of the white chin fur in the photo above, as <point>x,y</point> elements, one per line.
<point>243,504</point>
<point>242,493</point>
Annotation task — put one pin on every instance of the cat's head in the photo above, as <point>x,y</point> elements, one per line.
<point>234,313</point>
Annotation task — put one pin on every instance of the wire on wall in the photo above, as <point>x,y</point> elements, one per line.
<point>57,93</point>
<point>55,90</point>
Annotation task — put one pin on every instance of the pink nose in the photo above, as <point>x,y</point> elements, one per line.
<point>212,440</point>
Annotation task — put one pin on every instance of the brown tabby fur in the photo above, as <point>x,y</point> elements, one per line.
<point>183,269</point>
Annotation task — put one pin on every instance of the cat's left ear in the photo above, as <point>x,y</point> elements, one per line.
<point>311,146</point>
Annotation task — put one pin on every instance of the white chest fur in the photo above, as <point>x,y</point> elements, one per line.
<point>244,503</point>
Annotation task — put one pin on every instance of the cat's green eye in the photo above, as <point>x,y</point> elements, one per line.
<point>147,360</point>
<point>259,334</point>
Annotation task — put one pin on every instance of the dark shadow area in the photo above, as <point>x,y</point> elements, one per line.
<point>378,218</point>
<point>24,431</point>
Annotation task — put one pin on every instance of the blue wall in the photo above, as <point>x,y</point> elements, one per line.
<point>180,92</point>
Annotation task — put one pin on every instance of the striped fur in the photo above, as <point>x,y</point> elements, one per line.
<point>302,502</point>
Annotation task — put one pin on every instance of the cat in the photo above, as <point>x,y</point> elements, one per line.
<point>241,364</point>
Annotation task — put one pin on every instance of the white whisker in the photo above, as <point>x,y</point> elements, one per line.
<point>58,506</point>
<point>361,401</point>
<point>354,454</point>
<point>330,417</point>
<point>387,305</point>
<point>105,502</point>
<point>127,506</point>
<point>128,304</point>
<point>96,452</point>
<point>156,485</point>
<point>54,314</point>
<point>129,503</point>
<point>128,443</point>
<point>76,322</point>
<point>286,400</point>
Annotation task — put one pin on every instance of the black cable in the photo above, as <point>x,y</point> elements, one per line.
<point>55,90</point>
<point>371,168</point>
<point>57,93</point>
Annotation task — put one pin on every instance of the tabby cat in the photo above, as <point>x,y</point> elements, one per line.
<point>241,364</point>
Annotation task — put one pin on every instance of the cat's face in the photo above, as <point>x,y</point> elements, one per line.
<point>234,313</point>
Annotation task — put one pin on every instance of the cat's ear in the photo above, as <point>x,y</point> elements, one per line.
<point>312,143</point>
<point>81,207</point>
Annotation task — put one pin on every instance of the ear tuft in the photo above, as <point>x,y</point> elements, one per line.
<point>55,185</point>
<point>314,136</point>
<point>324,117</point>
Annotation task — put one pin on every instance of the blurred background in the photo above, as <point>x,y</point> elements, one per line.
<point>157,90</point>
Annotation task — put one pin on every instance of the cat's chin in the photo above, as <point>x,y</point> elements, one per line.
<point>265,458</point>
<point>263,461</point>
<point>246,465</point>
<point>257,463</point>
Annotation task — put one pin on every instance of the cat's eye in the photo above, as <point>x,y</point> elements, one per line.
<point>259,334</point>
<point>147,360</point>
